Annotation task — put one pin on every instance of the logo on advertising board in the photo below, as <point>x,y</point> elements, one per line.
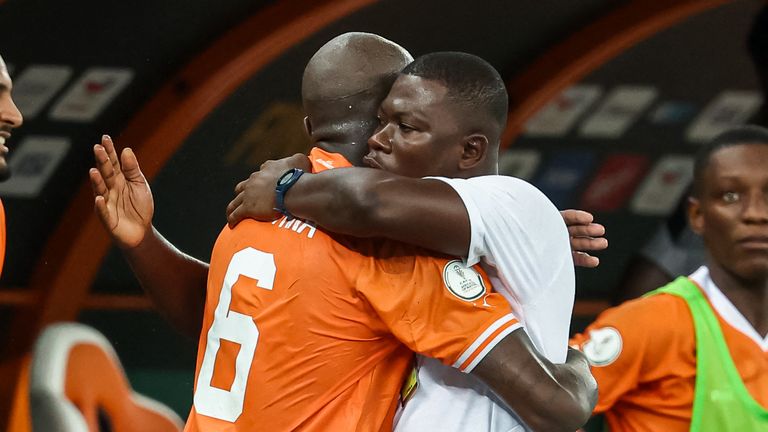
<point>36,85</point>
<point>618,112</point>
<point>32,165</point>
<point>559,115</point>
<point>615,180</point>
<point>730,108</point>
<point>664,186</point>
<point>91,94</point>
<point>519,163</point>
<point>563,174</point>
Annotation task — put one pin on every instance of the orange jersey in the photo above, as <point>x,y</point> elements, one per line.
<point>644,360</point>
<point>305,333</point>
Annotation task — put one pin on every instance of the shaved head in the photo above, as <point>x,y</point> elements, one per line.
<point>343,85</point>
<point>350,64</point>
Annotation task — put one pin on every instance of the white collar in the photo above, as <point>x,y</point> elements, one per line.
<point>725,308</point>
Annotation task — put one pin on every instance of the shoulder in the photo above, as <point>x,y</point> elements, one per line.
<point>651,324</point>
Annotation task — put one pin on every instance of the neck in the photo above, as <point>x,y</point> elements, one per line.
<point>749,297</point>
<point>352,152</point>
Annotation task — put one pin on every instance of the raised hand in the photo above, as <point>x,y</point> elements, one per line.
<point>585,236</point>
<point>123,200</point>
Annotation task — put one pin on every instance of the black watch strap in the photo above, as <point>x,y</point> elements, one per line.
<point>285,182</point>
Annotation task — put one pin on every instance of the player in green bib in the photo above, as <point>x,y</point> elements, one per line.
<point>693,355</point>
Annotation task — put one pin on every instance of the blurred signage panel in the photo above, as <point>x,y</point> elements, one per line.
<point>32,165</point>
<point>663,187</point>
<point>614,182</point>
<point>91,94</point>
<point>36,85</point>
<point>519,163</point>
<point>563,174</point>
<point>618,111</point>
<point>730,108</point>
<point>558,116</point>
<point>673,112</point>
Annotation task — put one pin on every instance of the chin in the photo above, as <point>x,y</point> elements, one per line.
<point>754,270</point>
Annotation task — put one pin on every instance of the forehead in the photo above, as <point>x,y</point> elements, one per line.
<point>747,161</point>
<point>412,93</point>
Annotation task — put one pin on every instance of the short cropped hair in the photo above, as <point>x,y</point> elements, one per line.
<point>748,134</point>
<point>470,80</point>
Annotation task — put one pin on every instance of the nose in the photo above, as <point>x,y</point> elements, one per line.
<point>9,112</point>
<point>381,140</point>
<point>756,208</point>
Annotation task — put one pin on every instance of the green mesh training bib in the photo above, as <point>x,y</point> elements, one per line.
<point>721,402</point>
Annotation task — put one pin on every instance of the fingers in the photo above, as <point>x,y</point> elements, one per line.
<point>103,212</point>
<point>582,259</point>
<point>131,169</point>
<point>588,243</point>
<point>109,146</point>
<point>234,204</point>
<point>104,166</point>
<point>97,183</point>
<point>235,216</point>
<point>576,217</point>
<point>591,230</point>
<point>241,186</point>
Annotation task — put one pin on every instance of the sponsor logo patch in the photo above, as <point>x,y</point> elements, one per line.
<point>603,347</point>
<point>462,281</point>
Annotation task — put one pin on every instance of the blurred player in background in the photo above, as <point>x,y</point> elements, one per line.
<point>693,355</point>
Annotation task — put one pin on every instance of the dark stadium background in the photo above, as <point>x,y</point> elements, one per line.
<point>687,54</point>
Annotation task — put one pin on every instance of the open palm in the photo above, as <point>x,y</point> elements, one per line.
<point>123,199</point>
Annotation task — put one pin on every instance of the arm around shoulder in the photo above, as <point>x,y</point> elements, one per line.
<point>372,203</point>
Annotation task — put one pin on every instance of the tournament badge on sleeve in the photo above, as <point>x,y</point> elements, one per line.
<point>462,281</point>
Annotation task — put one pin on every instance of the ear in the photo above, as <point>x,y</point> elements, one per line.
<point>695,217</point>
<point>307,126</point>
<point>473,152</point>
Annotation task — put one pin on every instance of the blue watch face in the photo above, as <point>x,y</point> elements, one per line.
<point>286,177</point>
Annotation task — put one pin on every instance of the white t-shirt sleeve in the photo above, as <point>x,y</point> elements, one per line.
<point>518,234</point>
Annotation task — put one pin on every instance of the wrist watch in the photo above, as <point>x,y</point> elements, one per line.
<point>285,182</point>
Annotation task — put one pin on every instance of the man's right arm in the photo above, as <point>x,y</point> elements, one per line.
<point>544,395</point>
<point>175,281</point>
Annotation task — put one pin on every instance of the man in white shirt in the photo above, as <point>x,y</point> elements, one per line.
<point>444,116</point>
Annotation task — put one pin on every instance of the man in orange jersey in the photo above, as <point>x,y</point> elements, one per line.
<point>693,355</point>
<point>244,377</point>
<point>444,116</point>
<point>10,118</point>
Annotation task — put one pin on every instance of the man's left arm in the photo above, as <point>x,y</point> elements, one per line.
<point>365,202</point>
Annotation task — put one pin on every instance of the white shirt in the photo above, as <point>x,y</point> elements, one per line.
<point>726,309</point>
<point>520,239</point>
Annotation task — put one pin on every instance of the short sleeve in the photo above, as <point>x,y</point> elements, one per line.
<point>439,308</point>
<point>629,346</point>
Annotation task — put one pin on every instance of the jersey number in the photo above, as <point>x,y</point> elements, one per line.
<point>234,327</point>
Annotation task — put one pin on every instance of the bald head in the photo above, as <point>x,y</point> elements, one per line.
<point>343,85</point>
<point>350,64</point>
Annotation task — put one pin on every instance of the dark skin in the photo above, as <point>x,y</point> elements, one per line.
<point>123,201</point>
<point>557,397</point>
<point>373,203</point>
<point>730,212</point>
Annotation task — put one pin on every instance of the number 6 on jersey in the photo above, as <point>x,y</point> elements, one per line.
<point>237,328</point>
